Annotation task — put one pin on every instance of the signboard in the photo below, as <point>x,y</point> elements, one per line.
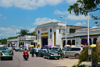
<point>89,51</point>
<point>46,33</point>
<point>85,41</point>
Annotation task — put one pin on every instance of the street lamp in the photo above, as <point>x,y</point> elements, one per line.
<point>88,31</point>
<point>65,29</point>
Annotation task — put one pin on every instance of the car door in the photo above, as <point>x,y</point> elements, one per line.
<point>67,52</point>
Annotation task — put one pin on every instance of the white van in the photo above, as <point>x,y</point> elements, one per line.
<point>73,52</point>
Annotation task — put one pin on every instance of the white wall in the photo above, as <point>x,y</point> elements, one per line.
<point>77,41</point>
<point>58,38</point>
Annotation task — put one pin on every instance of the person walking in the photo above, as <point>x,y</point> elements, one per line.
<point>32,50</point>
<point>61,53</point>
<point>37,50</point>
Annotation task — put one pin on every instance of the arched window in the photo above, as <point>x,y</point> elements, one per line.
<point>94,40</point>
<point>64,43</point>
<point>73,42</point>
<point>69,42</point>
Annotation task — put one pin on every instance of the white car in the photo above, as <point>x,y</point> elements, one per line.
<point>73,52</point>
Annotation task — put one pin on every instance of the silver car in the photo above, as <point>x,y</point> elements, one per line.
<point>73,52</point>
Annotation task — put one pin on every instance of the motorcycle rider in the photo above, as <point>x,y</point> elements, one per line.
<point>25,54</point>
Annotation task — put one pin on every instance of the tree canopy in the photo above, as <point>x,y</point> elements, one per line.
<point>12,37</point>
<point>3,41</point>
<point>23,32</point>
<point>32,33</point>
<point>26,32</point>
<point>85,6</point>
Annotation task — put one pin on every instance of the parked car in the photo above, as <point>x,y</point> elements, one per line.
<point>73,52</point>
<point>11,51</point>
<point>21,49</point>
<point>17,49</point>
<point>42,52</point>
<point>6,54</point>
<point>52,54</point>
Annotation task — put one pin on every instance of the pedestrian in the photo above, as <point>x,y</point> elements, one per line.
<point>61,53</point>
<point>32,50</point>
<point>37,50</point>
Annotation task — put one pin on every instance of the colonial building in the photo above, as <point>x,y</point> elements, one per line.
<point>53,33</point>
<point>80,36</point>
<point>22,41</point>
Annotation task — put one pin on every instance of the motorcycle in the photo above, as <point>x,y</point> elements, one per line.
<point>26,56</point>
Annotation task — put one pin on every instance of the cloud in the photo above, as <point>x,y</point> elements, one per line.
<point>31,29</point>
<point>80,17</point>
<point>80,24</point>
<point>71,1</point>
<point>39,21</point>
<point>58,12</point>
<point>28,4</point>
<point>8,32</point>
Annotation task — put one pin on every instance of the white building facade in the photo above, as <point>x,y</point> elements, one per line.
<point>22,41</point>
<point>52,33</point>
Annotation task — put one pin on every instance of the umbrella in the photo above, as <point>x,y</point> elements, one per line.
<point>67,45</point>
<point>81,45</point>
<point>13,45</point>
<point>31,45</point>
<point>72,46</point>
<point>49,46</point>
<point>93,45</point>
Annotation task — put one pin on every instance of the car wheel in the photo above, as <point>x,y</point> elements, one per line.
<point>1,58</point>
<point>77,56</point>
<point>58,58</point>
<point>48,57</point>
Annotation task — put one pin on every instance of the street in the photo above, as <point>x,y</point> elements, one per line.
<point>18,61</point>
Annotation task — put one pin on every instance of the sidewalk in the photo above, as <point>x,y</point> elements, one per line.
<point>88,64</point>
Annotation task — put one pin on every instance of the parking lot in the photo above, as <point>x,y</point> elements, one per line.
<point>18,61</point>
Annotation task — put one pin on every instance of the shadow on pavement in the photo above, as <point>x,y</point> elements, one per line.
<point>6,59</point>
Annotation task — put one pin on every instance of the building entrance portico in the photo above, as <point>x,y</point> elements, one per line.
<point>44,41</point>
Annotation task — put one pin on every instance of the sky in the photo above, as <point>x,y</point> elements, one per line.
<point>27,14</point>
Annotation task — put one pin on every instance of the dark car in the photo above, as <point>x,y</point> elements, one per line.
<point>52,54</point>
<point>42,52</point>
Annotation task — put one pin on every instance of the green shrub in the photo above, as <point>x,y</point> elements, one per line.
<point>85,57</point>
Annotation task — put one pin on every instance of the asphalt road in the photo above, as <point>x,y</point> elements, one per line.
<point>18,61</point>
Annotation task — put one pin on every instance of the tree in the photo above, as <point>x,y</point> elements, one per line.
<point>23,32</point>
<point>32,33</point>
<point>3,41</point>
<point>12,37</point>
<point>85,6</point>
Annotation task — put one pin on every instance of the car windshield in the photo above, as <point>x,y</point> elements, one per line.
<point>5,51</point>
<point>53,51</point>
<point>64,49</point>
<point>75,49</point>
